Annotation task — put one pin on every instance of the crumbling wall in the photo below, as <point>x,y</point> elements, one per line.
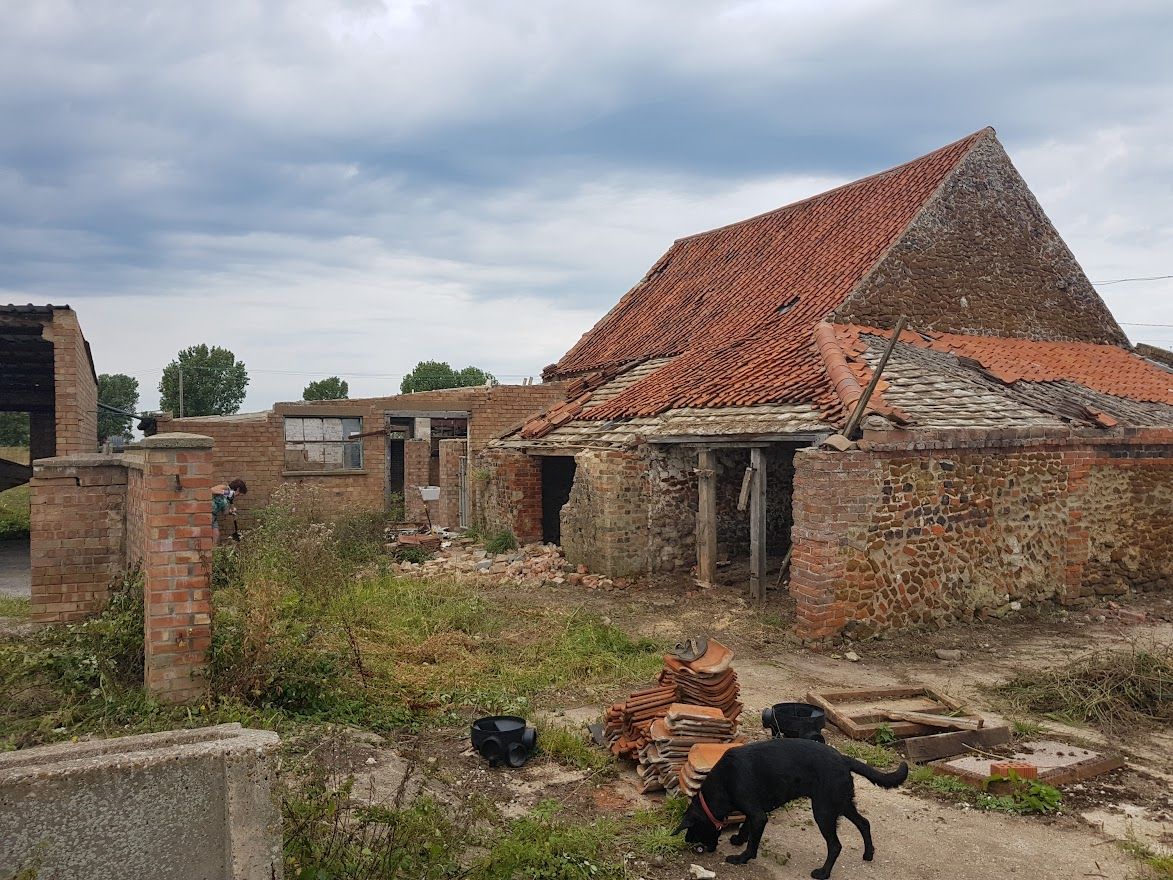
<point>960,524</point>
<point>605,522</point>
<point>672,506</point>
<point>508,491</point>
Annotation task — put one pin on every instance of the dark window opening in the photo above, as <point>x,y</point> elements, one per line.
<point>557,478</point>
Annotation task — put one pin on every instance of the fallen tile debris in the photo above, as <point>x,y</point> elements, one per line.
<point>673,738</point>
<point>533,565</point>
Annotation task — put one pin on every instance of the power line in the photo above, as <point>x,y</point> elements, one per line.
<point>1137,324</point>
<point>1123,280</point>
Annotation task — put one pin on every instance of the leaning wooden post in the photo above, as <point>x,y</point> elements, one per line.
<point>757,525</point>
<point>861,404</point>
<point>706,517</point>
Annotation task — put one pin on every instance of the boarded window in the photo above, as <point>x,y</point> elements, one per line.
<point>322,444</point>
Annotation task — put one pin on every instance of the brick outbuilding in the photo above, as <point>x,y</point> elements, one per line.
<point>1015,448</point>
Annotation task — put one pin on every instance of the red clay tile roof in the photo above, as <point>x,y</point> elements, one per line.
<point>1108,369</point>
<point>739,304</point>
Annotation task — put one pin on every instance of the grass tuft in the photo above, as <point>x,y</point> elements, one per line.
<point>572,748</point>
<point>14,606</point>
<point>1157,866</point>
<point>872,755</point>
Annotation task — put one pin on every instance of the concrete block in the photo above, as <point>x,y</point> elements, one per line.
<point>181,805</point>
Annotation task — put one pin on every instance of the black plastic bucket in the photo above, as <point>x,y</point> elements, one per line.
<point>795,720</point>
<point>504,739</point>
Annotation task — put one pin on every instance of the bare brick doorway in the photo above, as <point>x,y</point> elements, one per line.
<point>557,478</point>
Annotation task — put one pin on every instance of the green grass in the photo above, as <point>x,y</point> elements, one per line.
<point>501,542</point>
<point>1157,866</point>
<point>1030,796</point>
<point>572,748</point>
<point>1024,729</point>
<point>873,755</point>
<point>14,513</point>
<point>14,606</point>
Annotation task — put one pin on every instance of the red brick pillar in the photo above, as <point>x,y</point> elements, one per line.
<point>176,512</point>
<point>452,453</point>
<point>417,457</point>
<point>817,567</point>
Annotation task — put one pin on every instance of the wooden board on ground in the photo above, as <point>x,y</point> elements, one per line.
<point>861,714</point>
<point>945,745</point>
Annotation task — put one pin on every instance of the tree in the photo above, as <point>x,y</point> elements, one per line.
<point>433,375</point>
<point>213,382</point>
<point>120,391</point>
<point>14,429</point>
<point>326,389</point>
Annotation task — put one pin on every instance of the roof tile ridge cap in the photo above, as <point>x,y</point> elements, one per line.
<point>970,142</point>
<point>843,381</point>
<point>973,137</point>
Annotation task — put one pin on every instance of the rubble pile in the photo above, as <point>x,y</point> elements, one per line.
<point>700,676</point>
<point>533,565</point>
<point>662,761</point>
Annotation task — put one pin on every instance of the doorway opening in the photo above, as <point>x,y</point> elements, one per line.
<point>557,479</point>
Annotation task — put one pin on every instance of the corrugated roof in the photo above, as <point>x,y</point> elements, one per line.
<point>737,305</point>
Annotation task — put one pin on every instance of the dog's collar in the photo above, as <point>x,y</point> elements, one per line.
<point>717,823</point>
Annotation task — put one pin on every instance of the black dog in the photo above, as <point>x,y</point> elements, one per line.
<point>757,778</point>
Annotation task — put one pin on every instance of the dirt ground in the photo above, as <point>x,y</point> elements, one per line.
<point>917,835</point>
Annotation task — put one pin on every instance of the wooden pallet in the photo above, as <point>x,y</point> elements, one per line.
<point>877,708</point>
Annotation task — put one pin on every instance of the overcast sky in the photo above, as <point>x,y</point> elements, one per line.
<point>349,187</point>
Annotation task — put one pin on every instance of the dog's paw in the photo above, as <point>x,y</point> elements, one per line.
<point>869,854</point>
<point>820,874</point>
<point>738,839</point>
<point>739,859</point>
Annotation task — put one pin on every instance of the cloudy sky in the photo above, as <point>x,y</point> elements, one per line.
<point>347,187</point>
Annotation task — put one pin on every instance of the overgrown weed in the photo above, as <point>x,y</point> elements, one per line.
<point>1111,689</point>
<point>572,748</point>
<point>1029,796</point>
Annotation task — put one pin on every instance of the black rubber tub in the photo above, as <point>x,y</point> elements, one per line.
<point>504,739</point>
<point>795,720</point>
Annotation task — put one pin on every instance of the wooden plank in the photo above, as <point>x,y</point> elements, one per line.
<point>746,488</point>
<point>946,745</point>
<point>856,696</point>
<point>757,526</point>
<point>861,404</point>
<point>706,517</point>
<point>933,720</point>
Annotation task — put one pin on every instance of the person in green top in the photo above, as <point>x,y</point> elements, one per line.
<point>223,498</point>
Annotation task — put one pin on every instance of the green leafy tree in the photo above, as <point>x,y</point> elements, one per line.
<point>120,391</point>
<point>14,429</point>
<point>214,382</point>
<point>434,375</point>
<point>326,389</point>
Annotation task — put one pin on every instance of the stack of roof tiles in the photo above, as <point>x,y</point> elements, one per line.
<point>707,681</point>
<point>702,757</point>
<point>626,725</point>
<point>674,736</point>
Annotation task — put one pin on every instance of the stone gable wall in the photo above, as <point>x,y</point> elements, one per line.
<point>983,258</point>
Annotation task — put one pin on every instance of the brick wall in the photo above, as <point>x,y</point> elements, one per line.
<point>507,486</point>
<point>605,522</point>
<point>958,524</point>
<point>76,389</point>
<point>452,453</point>
<point>251,446</point>
<point>77,532</point>
<point>94,516</point>
<point>983,258</point>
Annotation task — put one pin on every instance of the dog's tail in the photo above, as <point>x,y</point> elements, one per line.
<point>890,779</point>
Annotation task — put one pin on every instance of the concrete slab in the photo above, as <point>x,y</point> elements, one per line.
<point>165,806</point>
<point>1058,763</point>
